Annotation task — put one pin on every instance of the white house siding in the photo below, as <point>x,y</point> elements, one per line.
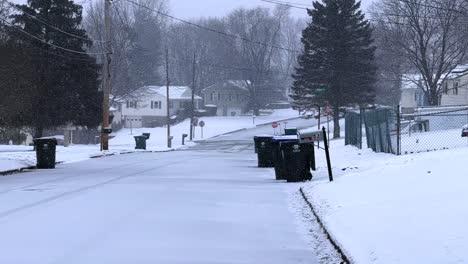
<point>407,98</point>
<point>453,96</point>
<point>150,109</point>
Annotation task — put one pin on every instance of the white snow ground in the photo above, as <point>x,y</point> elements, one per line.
<point>390,209</point>
<point>16,157</point>
<point>208,204</point>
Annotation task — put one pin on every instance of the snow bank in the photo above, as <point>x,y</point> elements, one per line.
<point>383,208</point>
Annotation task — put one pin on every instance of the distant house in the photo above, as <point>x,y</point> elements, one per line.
<point>412,95</point>
<point>231,97</point>
<point>147,108</point>
<point>455,87</point>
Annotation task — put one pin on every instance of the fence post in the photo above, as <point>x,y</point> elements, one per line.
<point>398,130</point>
<point>360,127</point>
<point>327,154</point>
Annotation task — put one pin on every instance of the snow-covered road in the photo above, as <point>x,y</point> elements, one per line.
<point>208,204</point>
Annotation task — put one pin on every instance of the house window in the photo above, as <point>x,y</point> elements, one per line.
<point>231,97</point>
<point>455,88</point>
<point>155,104</point>
<point>219,96</point>
<point>212,96</point>
<point>446,88</point>
<point>131,104</point>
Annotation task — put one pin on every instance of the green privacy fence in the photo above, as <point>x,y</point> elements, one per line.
<point>381,129</point>
<point>353,129</point>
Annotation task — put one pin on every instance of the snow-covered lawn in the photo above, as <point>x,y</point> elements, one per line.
<point>16,157</point>
<point>433,140</point>
<point>383,208</point>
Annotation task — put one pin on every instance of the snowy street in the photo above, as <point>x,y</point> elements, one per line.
<point>208,204</point>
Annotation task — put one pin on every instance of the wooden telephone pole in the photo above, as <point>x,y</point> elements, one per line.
<point>192,114</point>
<point>169,140</point>
<point>106,78</point>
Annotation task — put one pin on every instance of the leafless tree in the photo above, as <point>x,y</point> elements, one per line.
<point>432,36</point>
<point>136,43</point>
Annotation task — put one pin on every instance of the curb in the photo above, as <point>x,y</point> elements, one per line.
<point>21,170</point>
<point>335,245</point>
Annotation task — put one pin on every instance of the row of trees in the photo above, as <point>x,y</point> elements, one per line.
<point>222,48</point>
<point>50,71</point>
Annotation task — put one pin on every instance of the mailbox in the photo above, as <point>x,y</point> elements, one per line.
<point>106,130</point>
<point>310,137</point>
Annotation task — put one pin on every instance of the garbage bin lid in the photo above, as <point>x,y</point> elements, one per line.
<point>285,138</point>
<point>263,136</point>
<point>45,139</point>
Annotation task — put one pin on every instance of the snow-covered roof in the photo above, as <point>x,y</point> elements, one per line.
<point>409,81</point>
<point>239,84</point>
<point>175,92</point>
<point>460,70</point>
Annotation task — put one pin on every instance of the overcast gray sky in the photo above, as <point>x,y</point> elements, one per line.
<point>196,8</point>
<point>209,8</point>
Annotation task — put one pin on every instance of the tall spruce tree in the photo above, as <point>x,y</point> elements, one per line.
<point>65,86</point>
<point>337,65</point>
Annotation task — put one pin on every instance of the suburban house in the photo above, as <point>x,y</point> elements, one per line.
<point>148,107</point>
<point>412,95</point>
<point>230,97</point>
<point>455,87</point>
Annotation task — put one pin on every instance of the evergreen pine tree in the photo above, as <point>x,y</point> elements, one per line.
<point>65,85</point>
<point>337,65</point>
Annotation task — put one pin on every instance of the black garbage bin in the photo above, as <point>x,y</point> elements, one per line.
<point>45,152</point>
<point>140,142</point>
<point>277,157</point>
<point>263,150</point>
<point>147,135</point>
<point>296,161</point>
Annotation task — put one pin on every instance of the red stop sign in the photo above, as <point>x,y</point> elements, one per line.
<point>274,124</point>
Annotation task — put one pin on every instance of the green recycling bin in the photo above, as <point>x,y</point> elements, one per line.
<point>297,161</point>
<point>263,150</point>
<point>45,152</point>
<point>290,131</point>
<point>140,142</point>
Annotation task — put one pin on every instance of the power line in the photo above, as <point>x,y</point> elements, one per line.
<point>50,44</point>
<point>213,30</point>
<point>284,4</point>
<point>47,24</point>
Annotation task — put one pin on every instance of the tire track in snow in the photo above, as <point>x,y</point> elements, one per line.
<point>85,188</point>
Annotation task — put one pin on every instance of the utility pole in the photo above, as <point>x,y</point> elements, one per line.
<point>106,80</point>
<point>192,114</point>
<point>169,143</point>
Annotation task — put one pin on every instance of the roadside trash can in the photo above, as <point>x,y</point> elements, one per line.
<point>45,152</point>
<point>277,156</point>
<point>147,135</point>
<point>290,131</point>
<point>296,161</point>
<point>140,142</point>
<point>263,150</point>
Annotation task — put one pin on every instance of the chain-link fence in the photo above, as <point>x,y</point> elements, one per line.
<point>426,129</point>
<point>433,128</point>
